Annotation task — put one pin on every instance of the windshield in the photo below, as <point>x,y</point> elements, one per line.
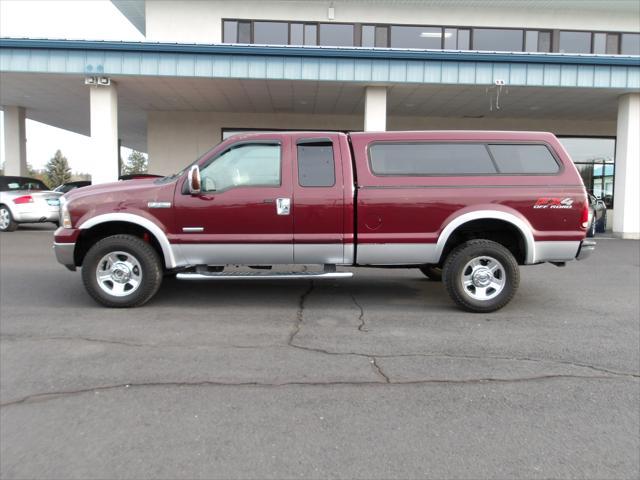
<point>8,184</point>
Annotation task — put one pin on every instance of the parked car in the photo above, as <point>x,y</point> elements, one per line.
<point>67,187</point>
<point>597,216</point>
<point>474,204</point>
<point>26,200</point>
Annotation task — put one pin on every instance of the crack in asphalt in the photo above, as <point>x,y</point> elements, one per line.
<point>300,313</point>
<point>378,368</point>
<point>384,378</point>
<point>300,320</point>
<point>41,397</point>
<point>363,326</point>
<point>330,352</point>
<point>86,339</point>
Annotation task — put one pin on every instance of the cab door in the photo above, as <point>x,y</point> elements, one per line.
<point>318,197</point>
<point>243,214</point>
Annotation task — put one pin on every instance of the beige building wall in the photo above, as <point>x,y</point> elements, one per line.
<point>201,21</point>
<point>175,139</point>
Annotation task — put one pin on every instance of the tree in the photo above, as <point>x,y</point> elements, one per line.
<point>57,170</point>
<point>136,163</point>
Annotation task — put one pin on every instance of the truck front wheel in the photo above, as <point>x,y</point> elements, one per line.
<point>122,271</point>
<point>481,276</point>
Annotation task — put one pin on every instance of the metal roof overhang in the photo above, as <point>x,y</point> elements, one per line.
<point>361,65</point>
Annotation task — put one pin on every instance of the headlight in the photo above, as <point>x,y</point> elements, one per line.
<point>65,217</point>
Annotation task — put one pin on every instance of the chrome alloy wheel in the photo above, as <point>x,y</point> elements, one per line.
<point>483,278</point>
<point>119,274</point>
<point>5,218</point>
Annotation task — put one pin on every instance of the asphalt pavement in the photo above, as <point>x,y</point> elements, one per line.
<point>375,377</point>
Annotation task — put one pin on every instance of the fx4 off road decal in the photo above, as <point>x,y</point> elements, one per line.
<point>554,203</point>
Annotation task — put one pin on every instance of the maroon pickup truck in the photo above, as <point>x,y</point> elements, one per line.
<point>467,206</point>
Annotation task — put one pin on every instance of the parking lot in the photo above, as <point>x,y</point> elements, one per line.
<point>379,376</point>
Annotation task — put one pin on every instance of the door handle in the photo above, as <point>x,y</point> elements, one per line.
<point>283,206</point>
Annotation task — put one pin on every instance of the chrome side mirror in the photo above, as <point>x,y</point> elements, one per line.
<point>193,179</point>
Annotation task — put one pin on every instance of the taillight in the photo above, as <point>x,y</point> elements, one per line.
<point>23,199</point>
<point>585,216</point>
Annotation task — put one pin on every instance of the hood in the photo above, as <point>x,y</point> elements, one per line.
<point>113,189</point>
<point>129,196</point>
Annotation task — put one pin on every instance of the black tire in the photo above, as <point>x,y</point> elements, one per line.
<point>139,259</point>
<point>432,272</point>
<point>10,225</point>
<point>456,268</point>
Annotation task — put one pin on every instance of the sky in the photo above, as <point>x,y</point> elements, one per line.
<point>71,19</point>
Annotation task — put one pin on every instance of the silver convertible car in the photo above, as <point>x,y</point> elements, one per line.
<point>26,200</point>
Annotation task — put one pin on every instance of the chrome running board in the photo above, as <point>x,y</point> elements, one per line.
<point>261,275</point>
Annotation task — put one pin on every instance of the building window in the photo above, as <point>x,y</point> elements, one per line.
<point>494,39</point>
<point>244,32</point>
<point>457,39</point>
<point>236,31</point>
<point>311,34</point>
<point>537,41</point>
<point>416,37</point>
<point>271,33</point>
<point>630,44</point>
<point>594,159</point>
<point>274,32</point>
<point>606,43</point>
<point>296,34</point>
<point>336,35</point>
<point>575,42</point>
<point>375,36</point>
<point>229,31</point>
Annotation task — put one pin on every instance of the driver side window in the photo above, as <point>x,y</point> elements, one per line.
<point>245,165</point>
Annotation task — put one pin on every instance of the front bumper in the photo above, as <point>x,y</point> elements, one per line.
<point>64,254</point>
<point>587,247</point>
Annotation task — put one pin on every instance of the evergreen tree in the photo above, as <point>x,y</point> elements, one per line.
<point>57,170</point>
<point>136,163</point>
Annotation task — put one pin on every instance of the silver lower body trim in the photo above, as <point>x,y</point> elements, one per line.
<point>234,254</point>
<point>262,276</point>
<point>318,254</point>
<point>397,253</point>
<point>264,254</point>
<point>555,251</point>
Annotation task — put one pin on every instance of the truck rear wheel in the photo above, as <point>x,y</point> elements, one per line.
<point>122,271</point>
<point>481,276</point>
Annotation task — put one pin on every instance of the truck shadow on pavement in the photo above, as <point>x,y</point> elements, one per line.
<point>380,293</point>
